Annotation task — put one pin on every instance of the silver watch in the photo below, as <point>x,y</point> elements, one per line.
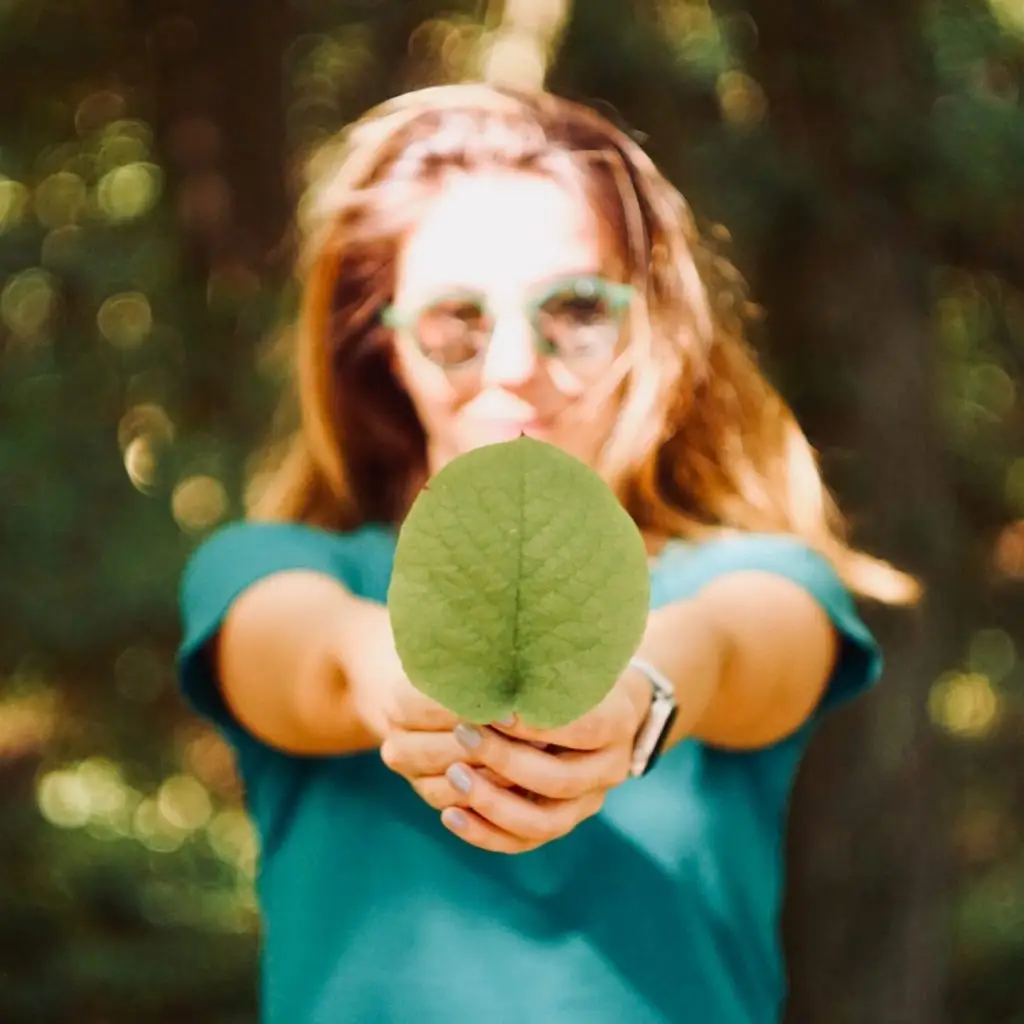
<point>656,726</point>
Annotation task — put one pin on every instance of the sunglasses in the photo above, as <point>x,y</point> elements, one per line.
<point>576,320</point>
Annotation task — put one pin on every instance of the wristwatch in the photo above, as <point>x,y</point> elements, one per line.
<point>656,726</point>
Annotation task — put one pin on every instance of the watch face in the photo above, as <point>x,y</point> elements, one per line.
<point>666,730</point>
<point>653,733</point>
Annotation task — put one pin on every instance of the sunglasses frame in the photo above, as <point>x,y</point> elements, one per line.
<point>617,293</point>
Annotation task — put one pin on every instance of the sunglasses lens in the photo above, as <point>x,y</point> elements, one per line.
<point>453,331</point>
<point>579,321</point>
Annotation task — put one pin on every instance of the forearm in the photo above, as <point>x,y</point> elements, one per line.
<point>750,657</point>
<point>283,660</point>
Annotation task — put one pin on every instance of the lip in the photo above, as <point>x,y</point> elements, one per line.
<point>508,429</point>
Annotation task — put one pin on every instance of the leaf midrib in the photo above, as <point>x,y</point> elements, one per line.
<point>516,682</point>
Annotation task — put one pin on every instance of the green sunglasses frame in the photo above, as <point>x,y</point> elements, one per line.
<point>616,293</point>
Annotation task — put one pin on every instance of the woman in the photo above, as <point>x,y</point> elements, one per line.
<point>483,264</point>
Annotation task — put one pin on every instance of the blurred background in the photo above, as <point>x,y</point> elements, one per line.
<point>863,165</point>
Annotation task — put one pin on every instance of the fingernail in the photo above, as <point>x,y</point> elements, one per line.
<point>507,722</point>
<point>454,818</point>
<point>459,778</point>
<point>468,736</point>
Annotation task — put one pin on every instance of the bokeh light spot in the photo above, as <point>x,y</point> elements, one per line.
<point>92,790</point>
<point>13,202</point>
<point>964,704</point>
<point>153,830</point>
<point>210,759</point>
<point>145,420</point>
<point>63,799</point>
<point>27,302</point>
<point>27,723</point>
<point>1009,551</point>
<point>60,199</point>
<point>140,463</point>
<point>107,794</point>
<point>741,98</point>
<point>199,502</point>
<point>184,802</point>
<point>514,60</point>
<point>125,320</point>
<point>234,840</point>
<point>129,192</point>
<point>121,150</point>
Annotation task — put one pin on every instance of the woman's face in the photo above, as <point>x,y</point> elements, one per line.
<point>505,324</point>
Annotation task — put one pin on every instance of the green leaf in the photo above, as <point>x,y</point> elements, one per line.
<point>520,585</point>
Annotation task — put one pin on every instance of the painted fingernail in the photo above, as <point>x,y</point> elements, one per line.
<point>459,778</point>
<point>468,736</point>
<point>454,818</point>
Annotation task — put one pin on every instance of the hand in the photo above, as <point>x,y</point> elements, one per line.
<point>499,788</point>
<point>421,742</point>
<point>414,733</point>
<point>526,795</point>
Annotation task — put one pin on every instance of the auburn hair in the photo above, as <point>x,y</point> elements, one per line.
<point>703,443</point>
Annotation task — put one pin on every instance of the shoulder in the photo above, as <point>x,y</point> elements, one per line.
<point>684,567</point>
<point>241,552</point>
<point>683,570</point>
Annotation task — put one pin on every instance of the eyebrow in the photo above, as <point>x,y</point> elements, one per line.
<point>462,288</point>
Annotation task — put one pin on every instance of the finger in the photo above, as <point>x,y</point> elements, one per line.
<point>556,776</point>
<point>592,731</point>
<point>494,777</point>
<point>419,754</point>
<point>474,830</point>
<point>414,753</point>
<point>410,709</point>
<point>437,791</point>
<point>535,820</point>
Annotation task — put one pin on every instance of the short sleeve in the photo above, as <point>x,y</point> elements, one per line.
<point>220,570</point>
<point>859,665</point>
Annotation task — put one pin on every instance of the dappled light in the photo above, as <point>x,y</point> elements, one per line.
<point>1010,14</point>
<point>125,320</point>
<point>27,303</point>
<point>966,705</point>
<point>93,795</point>
<point>199,502</point>
<point>518,51</point>
<point>742,99</point>
<point>129,192</point>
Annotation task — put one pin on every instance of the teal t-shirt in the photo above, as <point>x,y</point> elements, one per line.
<point>662,908</point>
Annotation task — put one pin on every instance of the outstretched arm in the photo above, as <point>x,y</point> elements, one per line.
<point>750,657</point>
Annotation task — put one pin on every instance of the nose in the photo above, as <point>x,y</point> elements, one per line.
<point>511,358</point>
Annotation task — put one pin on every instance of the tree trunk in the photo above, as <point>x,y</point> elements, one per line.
<point>865,926</point>
<point>219,115</point>
<point>846,287</point>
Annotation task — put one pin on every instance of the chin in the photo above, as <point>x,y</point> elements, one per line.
<point>494,432</point>
<point>479,435</point>
<point>573,446</point>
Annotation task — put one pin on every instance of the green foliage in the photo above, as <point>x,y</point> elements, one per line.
<point>520,586</point>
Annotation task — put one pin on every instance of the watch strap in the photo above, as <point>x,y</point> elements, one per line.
<point>654,731</point>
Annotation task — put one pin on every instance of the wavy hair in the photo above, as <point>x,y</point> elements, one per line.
<point>702,443</point>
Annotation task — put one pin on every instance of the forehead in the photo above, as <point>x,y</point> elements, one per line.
<point>498,233</point>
